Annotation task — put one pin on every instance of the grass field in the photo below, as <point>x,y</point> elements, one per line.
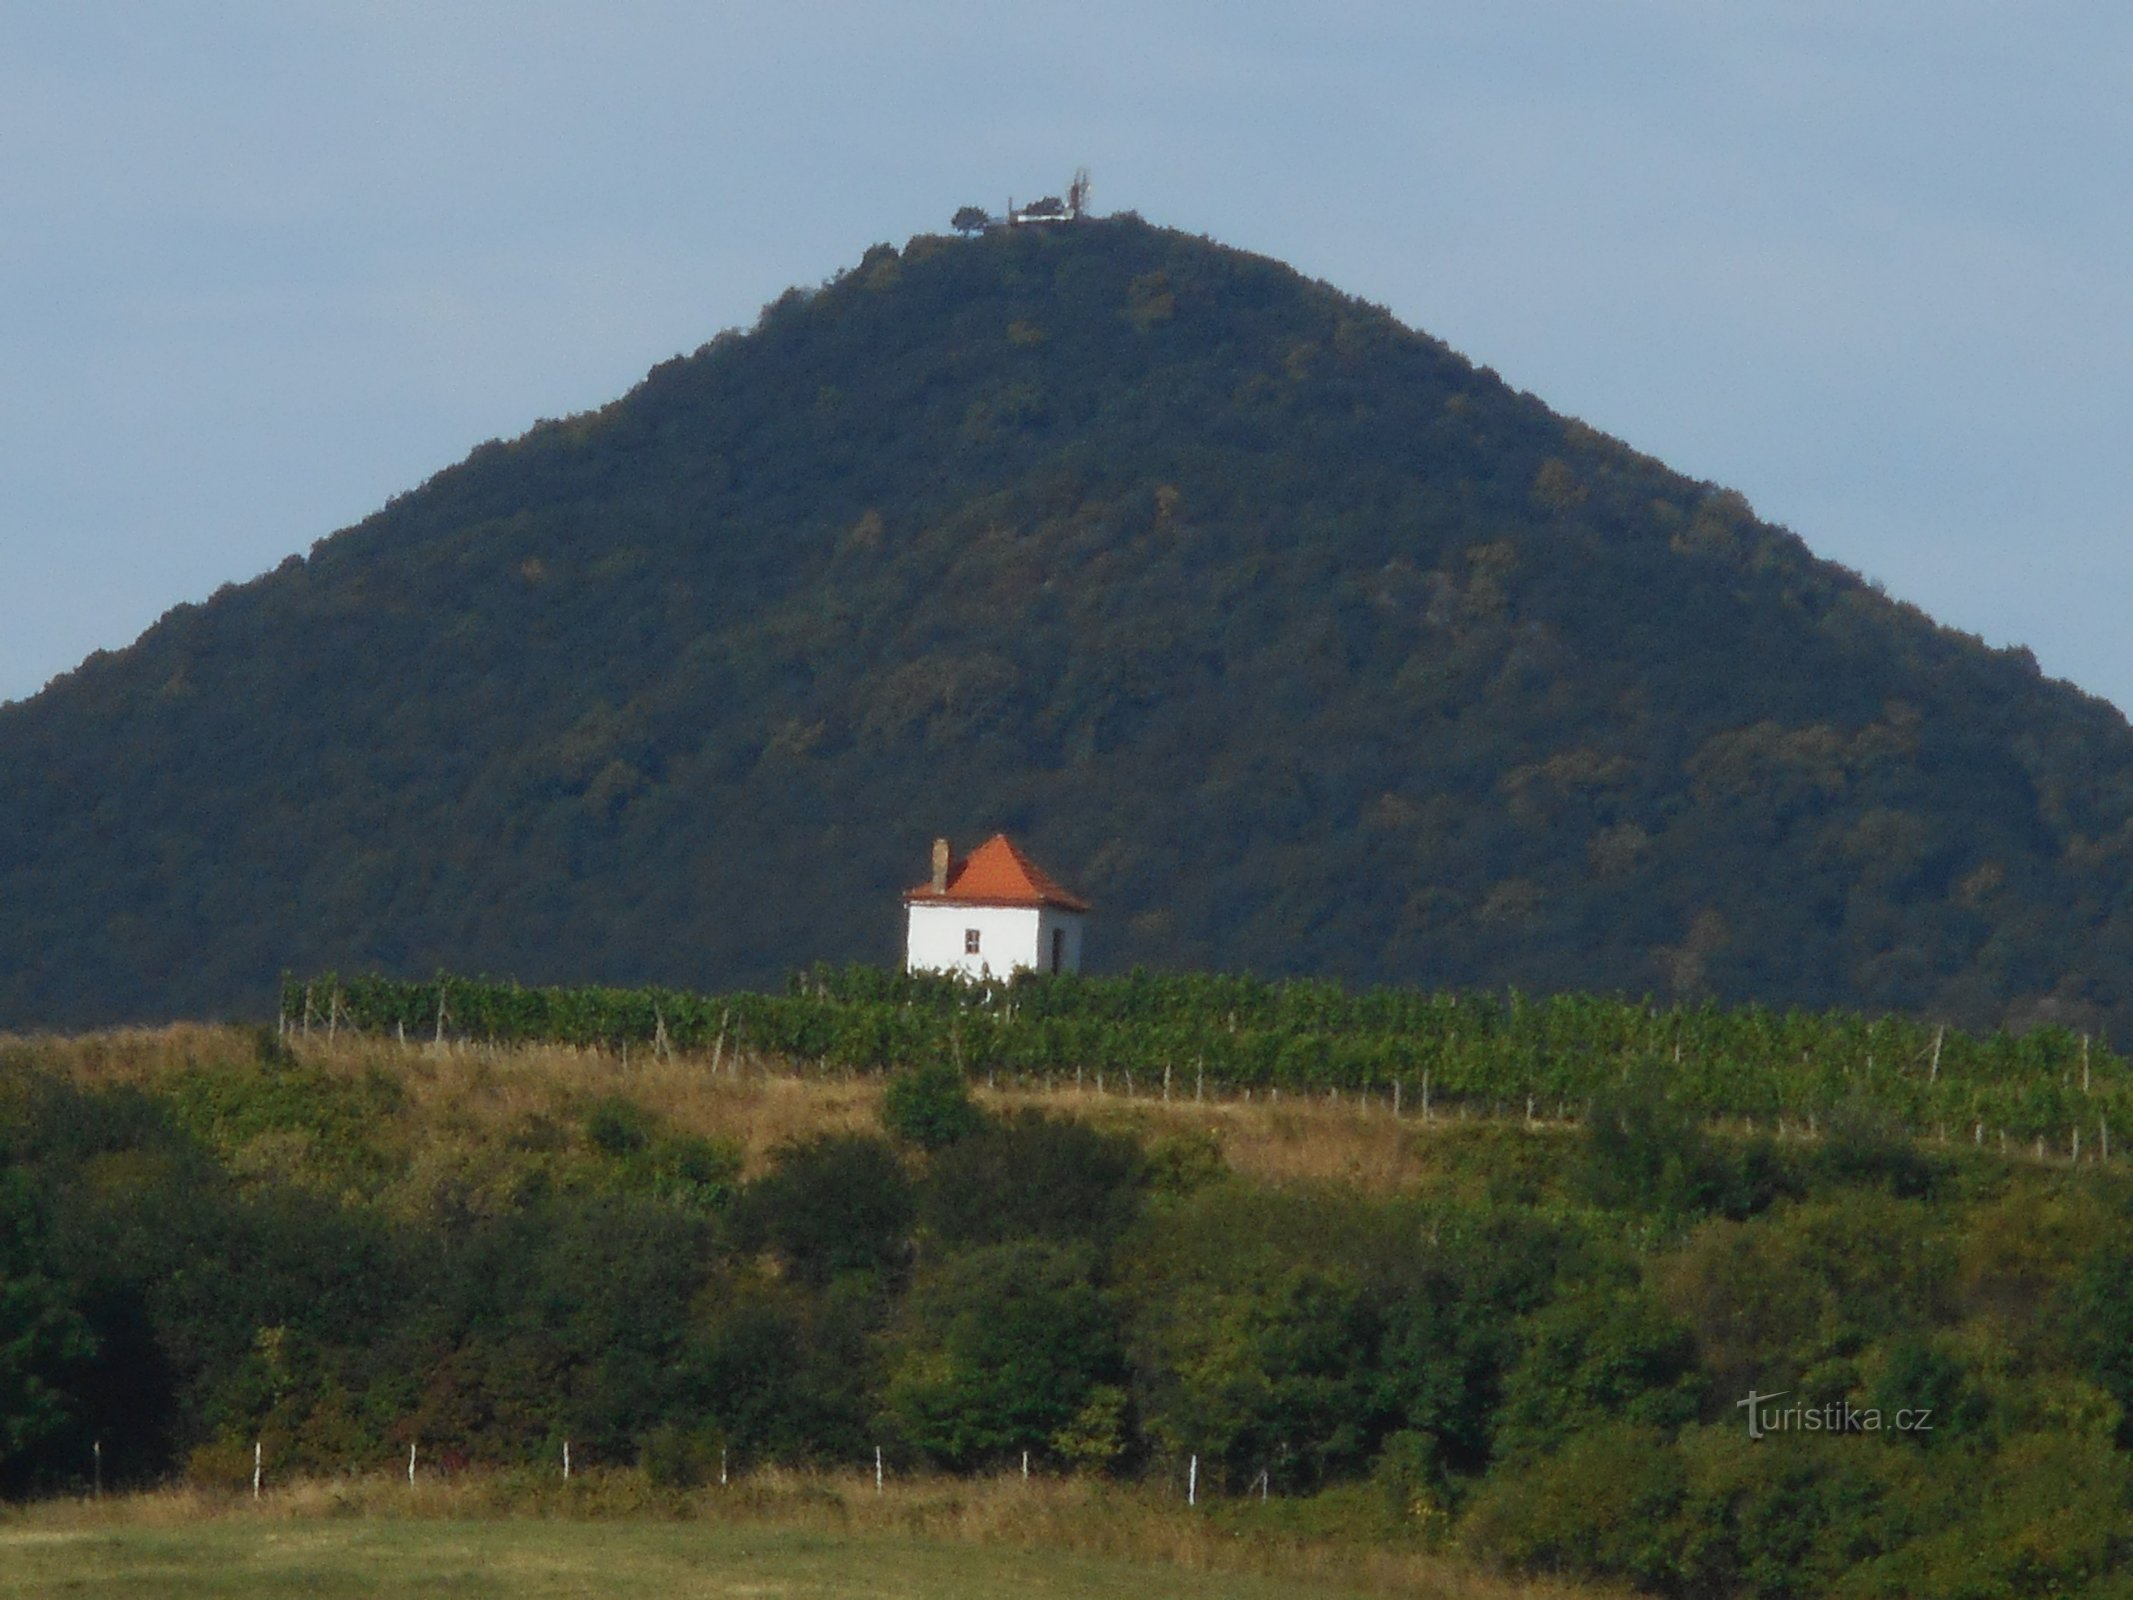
<point>790,1538</point>
<point>532,1560</point>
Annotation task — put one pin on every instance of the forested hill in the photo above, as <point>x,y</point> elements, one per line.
<point>1289,637</point>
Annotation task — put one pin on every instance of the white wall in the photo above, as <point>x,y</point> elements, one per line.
<point>1008,937</point>
<point>1070,923</point>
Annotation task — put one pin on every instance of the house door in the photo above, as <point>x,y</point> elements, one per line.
<point>1058,948</point>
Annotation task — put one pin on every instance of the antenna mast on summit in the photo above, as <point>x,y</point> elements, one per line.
<point>1078,193</point>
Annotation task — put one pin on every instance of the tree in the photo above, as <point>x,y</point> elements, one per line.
<point>1030,1175</point>
<point>969,219</point>
<point>1003,1350</point>
<point>837,1203</point>
<point>45,1345</point>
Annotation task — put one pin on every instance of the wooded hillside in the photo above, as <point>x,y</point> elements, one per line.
<point>1294,640</point>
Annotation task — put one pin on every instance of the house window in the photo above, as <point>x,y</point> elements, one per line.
<point>970,941</point>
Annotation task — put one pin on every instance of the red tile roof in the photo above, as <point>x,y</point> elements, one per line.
<point>997,874</point>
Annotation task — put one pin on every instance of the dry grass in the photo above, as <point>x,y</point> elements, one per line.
<point>1126,1541</point>
<point>468,1093</point>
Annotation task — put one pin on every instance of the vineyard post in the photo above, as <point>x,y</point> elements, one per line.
<point>2076,1141</point>
<point>333,1013</point>
<point>400,1028</point>
<point>1199,1077</point>
<point>411,1466</point>
<point>2084,1063</point>
<point>1933,1073</point>
<point>1425,1097</point>
<point>307,1011</point>
<point>718,1049</point>
<point>97,1452</point>
<point>440,1013</point>
<point>877,1469</point>
<point>1166,1083</point>
<point>258,1460</point>
<point>566,1460</point>
<point>1396,1097</point>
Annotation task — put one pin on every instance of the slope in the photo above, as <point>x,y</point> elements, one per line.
<point>1288,636</point>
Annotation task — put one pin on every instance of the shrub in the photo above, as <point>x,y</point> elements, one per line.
<point>832,1204</point>
<point>930,1106</point>
<point>1033,1176</point>
<point>1001,1350</point>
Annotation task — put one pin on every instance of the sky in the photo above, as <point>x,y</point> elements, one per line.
<point>265,265</point>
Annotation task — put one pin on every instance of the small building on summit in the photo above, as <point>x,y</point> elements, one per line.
<point>991,914</point>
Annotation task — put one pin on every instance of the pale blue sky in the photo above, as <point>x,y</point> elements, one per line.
<point>265,264</point>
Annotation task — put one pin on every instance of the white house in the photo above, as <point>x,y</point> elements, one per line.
<point>991,913</point>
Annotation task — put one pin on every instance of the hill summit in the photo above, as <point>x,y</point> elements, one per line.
<point>1294,639</point>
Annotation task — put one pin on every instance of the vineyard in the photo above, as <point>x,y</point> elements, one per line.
<point>1200,1034</point>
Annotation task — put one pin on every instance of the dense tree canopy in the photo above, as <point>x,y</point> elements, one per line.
<point>1290,637</point>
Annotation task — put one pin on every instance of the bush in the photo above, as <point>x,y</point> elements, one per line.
<point>930,1107</point>
<point>1001,1351</point>
<point>1033,1176</point>
<point>1606,1354</point>
<point>1602,1508</point>
<point>832,1204</point>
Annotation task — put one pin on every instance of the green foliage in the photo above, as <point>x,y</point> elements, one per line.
<point>1646,1149</point>
<point>618,1126</point>
<point>1005,530</point>
<point>929,1106</point>
<point>1605,1506</point>
<point>1641,1067</point>
<point>675,1457</point>
<point>1604,1356</point>
<point>46,1345</point>
<point>785,1374</point>
<point>833,1204</point>
<point>1543,1370</point>
<point>1032,1176</point>
<point>2100,1302</point>
<point>1004,1349</point>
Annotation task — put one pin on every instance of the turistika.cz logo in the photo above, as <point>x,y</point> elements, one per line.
<point>1831,1416</point>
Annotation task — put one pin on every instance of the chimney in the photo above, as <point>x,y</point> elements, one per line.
<point>940,866</point>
